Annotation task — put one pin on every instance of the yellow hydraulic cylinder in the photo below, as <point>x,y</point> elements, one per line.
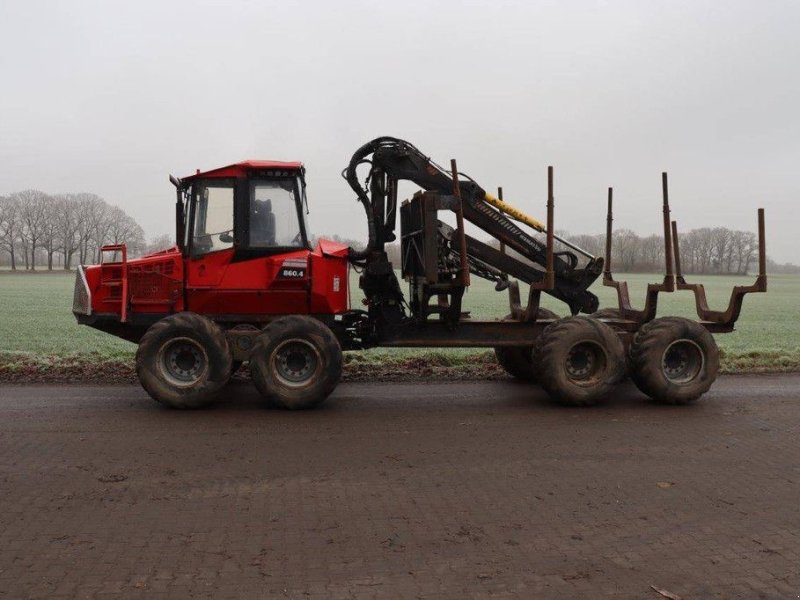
<point>515,213</point>
<point>520,216</point>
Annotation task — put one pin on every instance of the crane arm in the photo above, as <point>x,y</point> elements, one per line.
<point>391,160</point>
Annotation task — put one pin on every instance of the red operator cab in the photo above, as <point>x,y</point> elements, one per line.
<point>243,256</point>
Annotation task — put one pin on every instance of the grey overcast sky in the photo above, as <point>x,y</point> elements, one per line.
<point>109,97</point>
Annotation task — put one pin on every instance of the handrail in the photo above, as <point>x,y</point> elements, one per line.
<point>123,248</point>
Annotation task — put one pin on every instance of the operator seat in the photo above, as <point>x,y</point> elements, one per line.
<point>262,224</point>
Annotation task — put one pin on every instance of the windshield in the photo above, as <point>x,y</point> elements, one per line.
<point>274,218</point>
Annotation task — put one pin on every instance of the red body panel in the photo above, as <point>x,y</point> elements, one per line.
<point>329,269</point>
<point>155,284</point>
<point>216,285</point>
<point>298,282</point>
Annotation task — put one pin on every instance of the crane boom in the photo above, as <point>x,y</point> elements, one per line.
<point>392,160</point>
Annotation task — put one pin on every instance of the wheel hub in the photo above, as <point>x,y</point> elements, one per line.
<point>183,361</point>
<point>295,362</point>
<point>682,361</point>
<point>584,361</point>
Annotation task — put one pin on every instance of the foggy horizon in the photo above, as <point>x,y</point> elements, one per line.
<point>112,100</point>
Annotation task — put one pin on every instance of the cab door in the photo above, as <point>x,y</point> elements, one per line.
<point>269,273</point>
<point>211,242</point>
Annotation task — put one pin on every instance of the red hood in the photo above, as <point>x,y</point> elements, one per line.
<point>331,248</point>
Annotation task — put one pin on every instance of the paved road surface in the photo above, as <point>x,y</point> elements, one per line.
<point>437,490</point>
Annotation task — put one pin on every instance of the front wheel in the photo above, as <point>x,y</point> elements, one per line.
<point>296,362</point>
<point>183,360</point>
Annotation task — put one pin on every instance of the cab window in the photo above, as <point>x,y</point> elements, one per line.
<point>273,213</point>
<point>213,217</point>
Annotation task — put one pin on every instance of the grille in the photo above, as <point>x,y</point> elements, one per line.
<point>153,287</point>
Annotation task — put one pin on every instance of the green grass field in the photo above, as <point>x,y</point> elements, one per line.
<point>36,318</point>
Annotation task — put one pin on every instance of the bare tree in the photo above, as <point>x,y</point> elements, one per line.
<point>719,239</point>
<point>84,209</point>
<point>50,230</point>
<point>703,246</point>
<point>68,239</point>
<point>593,244</point>
<point>100,223</point>
<point>625,249</point>
<point>120,227</point>
<point>686,245</point>
<point>161,242</point>
<point>10,228</point>
<point>652,252</point>
<point>744,244</point>
<point>33,210</point>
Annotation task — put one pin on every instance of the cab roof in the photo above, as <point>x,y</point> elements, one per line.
<point>241,169</point>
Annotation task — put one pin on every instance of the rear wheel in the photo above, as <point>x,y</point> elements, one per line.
<point>518,360</point>
<point>296,362</point>
<point>580,360</point>
<point>183,360</point>
<point>674,360</point>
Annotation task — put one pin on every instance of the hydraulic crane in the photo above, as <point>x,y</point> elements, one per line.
<point>392,160</point>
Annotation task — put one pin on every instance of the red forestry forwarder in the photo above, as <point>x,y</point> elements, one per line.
<point>243,284</point>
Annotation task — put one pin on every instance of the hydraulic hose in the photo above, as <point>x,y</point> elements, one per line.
<point>352,179</point>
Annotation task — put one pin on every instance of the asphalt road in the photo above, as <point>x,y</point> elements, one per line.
<point>431,490</point>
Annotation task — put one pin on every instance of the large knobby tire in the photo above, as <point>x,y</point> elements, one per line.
<point>579,360</point>
<point>674,360</point>
<point>518,360</point>
<point>183,360</point>
<point>296,362</point>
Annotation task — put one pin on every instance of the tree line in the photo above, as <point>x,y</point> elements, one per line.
<point>61,230</point>
<point>705,250</point>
